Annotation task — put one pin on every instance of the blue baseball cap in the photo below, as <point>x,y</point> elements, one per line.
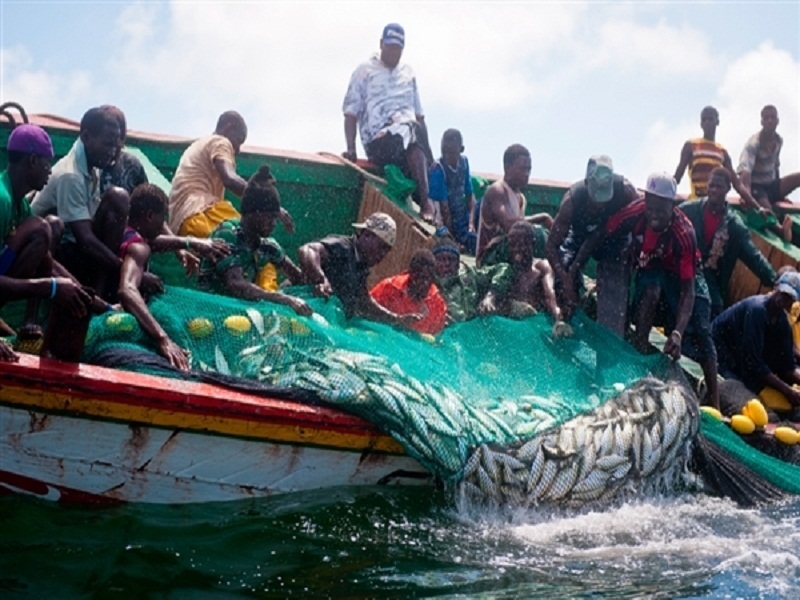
<point>789,283</point>
<point>394,35</point>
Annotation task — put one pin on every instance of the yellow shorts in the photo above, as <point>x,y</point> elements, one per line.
<point>267,278</point>
<point>774,400</point>
<point>202,224</point>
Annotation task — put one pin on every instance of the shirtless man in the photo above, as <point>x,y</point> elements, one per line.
<point>503,205</point>
<point>526,285</point>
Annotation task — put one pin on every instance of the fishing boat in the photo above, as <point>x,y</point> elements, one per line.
<point>84,433</point>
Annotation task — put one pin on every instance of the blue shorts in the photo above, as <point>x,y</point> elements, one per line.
<point>7,258</point>
<point>697,342</point>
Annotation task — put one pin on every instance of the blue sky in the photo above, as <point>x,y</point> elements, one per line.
<point>568,80</point>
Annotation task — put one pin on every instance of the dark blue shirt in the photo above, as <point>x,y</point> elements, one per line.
<point>453,186</point>
<point>751,343</point>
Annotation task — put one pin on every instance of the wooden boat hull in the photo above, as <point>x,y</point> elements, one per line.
<point>89,434</point>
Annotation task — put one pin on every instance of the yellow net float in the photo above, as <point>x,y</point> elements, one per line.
<point>786,435</point>
<point>200,327</point>
<point>742,424</point>
<point>756,412</point>
<point>121,322</point>
<point>237,325</point>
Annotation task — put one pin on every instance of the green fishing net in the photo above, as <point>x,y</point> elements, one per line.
<point>489,380</point>
<point>782,474</point>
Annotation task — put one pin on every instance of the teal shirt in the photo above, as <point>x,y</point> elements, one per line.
<point>211,276</point>
<point>11,215</point>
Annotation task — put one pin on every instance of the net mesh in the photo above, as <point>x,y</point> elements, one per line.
<point>782,474</point>
<point>492,380</point>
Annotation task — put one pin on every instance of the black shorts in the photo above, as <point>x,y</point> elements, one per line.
<point>771,191</point>
<point>387,150</point>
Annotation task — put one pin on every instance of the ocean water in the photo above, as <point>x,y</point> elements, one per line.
<point>398,543</point>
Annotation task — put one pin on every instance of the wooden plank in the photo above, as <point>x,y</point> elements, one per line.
<point>744,283</point>
<point>410,234</point>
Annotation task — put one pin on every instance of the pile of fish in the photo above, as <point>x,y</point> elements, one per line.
<point>630,443</point>
<point>517,451</point>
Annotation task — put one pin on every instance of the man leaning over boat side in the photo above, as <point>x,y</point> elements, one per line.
<point>339,266</point>
<point>461,286</point>
<point>207,168</point>
<point>585,207</point>
<point>759,166</point>
<point>27,269</point>
<point>252,250</point>
<point>670,289</point>
<point>503,205</point>
<point>756,351</point>
<point>415,291</point>
<point>525,285</point>
<point>382,102</point>
<point>93,224</point>
<point>142,237</point>
<point>723,239</point>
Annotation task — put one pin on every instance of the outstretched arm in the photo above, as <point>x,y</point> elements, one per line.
<point>230,179</point>
<point>239,287</point>
<point>741,189</point>
<point>312,256</point>
<point>686,158</point>
<point>136,257</point>
<point>546,280</point>
<point>685,306</point>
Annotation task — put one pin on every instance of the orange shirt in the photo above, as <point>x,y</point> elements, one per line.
<point>392,294</point>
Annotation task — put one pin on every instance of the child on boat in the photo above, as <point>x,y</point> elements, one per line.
<point>450,188</point>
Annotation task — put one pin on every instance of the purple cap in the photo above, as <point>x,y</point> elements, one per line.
<point>30,139</point>
<point>394,35</point>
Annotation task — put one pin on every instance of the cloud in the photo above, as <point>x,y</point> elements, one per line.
<point>653,50</point>
<point>22,82</point>
<point>766,75</point>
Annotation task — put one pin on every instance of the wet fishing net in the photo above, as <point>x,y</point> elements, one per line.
<point>501,407</point>
<point>779,473</point>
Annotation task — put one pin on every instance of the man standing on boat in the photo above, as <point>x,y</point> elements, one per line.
<point>586,206</point>
<point>503,205</point>
<point>27,269</point>
<point>759,164</point>
<point>93,224</point>
<point>756,349</point>
<point>382,101</point>
<point>723,239</point>
<point>339,266</point>
<point>670,289</point>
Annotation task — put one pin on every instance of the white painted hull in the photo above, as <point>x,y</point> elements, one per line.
<point>114,461</point>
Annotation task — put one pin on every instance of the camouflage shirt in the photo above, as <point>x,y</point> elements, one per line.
<point>211,276</point>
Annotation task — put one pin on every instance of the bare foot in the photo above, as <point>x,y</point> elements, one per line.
<point>786,229</point>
